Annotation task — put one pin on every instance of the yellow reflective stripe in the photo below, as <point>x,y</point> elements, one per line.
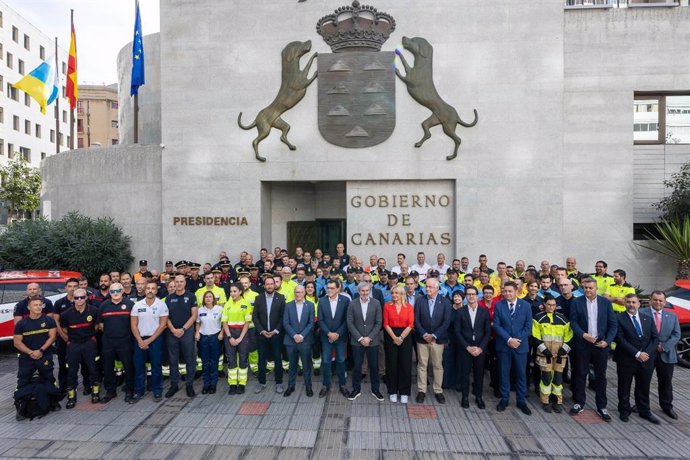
<point>37,331</point>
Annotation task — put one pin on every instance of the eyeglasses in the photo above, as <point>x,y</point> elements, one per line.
<point>115,291</point>
<point>332,287</point>
<point>79,297</point>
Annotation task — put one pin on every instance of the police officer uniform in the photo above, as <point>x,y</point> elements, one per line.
<point>117,345</point>
<point>35,333</point>
<point>179,312</point>
<point>81,348</point>
<point>194,283</point>
<point>209,345</point>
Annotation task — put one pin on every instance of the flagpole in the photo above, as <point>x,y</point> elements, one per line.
<point>136,118</point>
<point>71,110</point>
<point>57,104</point>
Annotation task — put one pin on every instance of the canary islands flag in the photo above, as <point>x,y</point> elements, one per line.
<point>138,77</point>
<point>41,84</point>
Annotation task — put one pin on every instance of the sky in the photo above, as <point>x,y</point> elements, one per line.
<point>102,27</point>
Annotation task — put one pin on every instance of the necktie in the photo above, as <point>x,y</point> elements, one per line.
<point>512,311</point>
<point>657,316</point>
<point>638,328</point>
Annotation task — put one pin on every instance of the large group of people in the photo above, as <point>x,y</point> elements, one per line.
<point>316,314</point>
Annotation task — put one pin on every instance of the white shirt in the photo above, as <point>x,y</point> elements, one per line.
<point>269,304</point>
<point>299,307</point>
<point>592,315</point>
<point>149,315</point>
<point>473,314</point>
<point>334,305</point>
<point>421,269</point>
<point>365,307</point>
<point>396,269</point>
<point>209,319</point>
<point>442,269</point>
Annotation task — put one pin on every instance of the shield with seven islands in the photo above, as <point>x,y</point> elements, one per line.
<point>356,97</point>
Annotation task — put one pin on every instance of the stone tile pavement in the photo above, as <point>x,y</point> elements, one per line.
<point>269,426</point>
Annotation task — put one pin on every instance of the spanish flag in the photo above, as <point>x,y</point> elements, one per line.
<point>41,84</point>
<point>72,88</point>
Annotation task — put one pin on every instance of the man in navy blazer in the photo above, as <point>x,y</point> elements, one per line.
<point>666,356</point>
<point>594,327</point>
<point>513,327</point>
<point>332,314</point>
<point>431,322</point>
<point>636,343</point>
<point>298,323</point>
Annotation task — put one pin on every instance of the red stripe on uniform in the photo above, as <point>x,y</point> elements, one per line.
<point>77,326</point>
<point>116,313</point>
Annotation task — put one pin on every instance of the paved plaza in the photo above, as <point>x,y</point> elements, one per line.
<point>267,426</point>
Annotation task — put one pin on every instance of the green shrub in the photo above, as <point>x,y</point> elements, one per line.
<point>75,242</point>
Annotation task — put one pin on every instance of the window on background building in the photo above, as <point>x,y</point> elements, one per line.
<point>15,123</point>
<point>15,34</point>
<point>52,135</point>
<point>64,116</point>
<point>113,141</point>
<point>64,68</point>
<point>64,92</point>
<point>20,66</point>
<point>27,43</point>
<point>10,60</point>
<point>10,151</point>
<point>2,115</point>
<point>25,153</point>
<point>113,124</point>
<point>38,130</point>
<point>27,100</point>
<point>0,19</point>
<point>43,155</point>
<point>661,119</point>
<point>42,53</point>
<point>12,92</point>
<point>27,127</point>
<point>2,52</point>
<point>114,105</point>
<point>80,143</point>
<point>80,125</point>
<point>2,147</point>
<point>2,83</point>
<point>68,140</point>
<point>61,140</point>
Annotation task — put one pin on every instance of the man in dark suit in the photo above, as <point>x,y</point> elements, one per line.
<point>636,342</point>
<point>431,322</point>
<point>298,322</point>
<point>268,322</point>
<point>513,327</point>
<point>472,332</point>
<point>594,327</point>
<point>667,326</point>
<point>332,314</point>
<point>364,321</point>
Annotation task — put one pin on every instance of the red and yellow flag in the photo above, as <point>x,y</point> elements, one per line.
<point>72,89</point>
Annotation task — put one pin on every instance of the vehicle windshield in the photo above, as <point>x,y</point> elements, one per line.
<point>14,292</point>
<point>680,293</point>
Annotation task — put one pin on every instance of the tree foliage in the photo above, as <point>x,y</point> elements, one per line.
<point>75,242</point>
<point>677,205</point>
<point>674,241</point>
<point>21,186</point>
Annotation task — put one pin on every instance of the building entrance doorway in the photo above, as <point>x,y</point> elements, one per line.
<point>324,234</point>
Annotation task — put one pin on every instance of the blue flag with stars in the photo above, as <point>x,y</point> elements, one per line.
<point>138,77</point>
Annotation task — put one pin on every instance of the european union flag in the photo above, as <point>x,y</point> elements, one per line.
<point>138,77</point>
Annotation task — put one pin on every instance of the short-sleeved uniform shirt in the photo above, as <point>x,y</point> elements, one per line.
<point>62,305</point>
<point>35,332</point>
<point>209,319</point>
<point>218,293</point>
<point>149,315</point>
<point>80,326</point>
<point>22,307</point>
<point>180,308</point>
<point>115,319</point>
<point>236,313</point>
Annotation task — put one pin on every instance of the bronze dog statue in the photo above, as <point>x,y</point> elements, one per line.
<point>293,87</point>
<point>420,85</point>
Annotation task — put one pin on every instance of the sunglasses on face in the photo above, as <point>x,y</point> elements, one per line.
<point>115,291</point>
<point>79,297</point>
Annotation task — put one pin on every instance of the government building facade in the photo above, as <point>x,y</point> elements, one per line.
<point>569,118</point>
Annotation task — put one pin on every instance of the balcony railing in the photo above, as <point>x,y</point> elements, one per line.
<point>577,4</point>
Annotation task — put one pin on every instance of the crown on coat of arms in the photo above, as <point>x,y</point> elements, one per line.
<point>356,28</point>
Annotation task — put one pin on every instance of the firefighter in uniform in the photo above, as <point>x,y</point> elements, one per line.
<point>62,305</point>
<point>551,331</point>
<point>113,320</point>
<point>80,324</point>
<point>250,295</point>
<point>33,338</point>
<point>237,315</point>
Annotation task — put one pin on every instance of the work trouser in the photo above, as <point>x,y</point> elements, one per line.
<point>209,349</point>
<point>121,350</point>
<point>154,355</point>
<point>84,352</point>
<point>253,358</point>
<point>430,352</point>
<point>316,349</point>
<point>61,352</point>
<point>551,380</point>
<point>185,346</point>
<point>238,357</point>
<point>269,348</point>
<point>28,366</point>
